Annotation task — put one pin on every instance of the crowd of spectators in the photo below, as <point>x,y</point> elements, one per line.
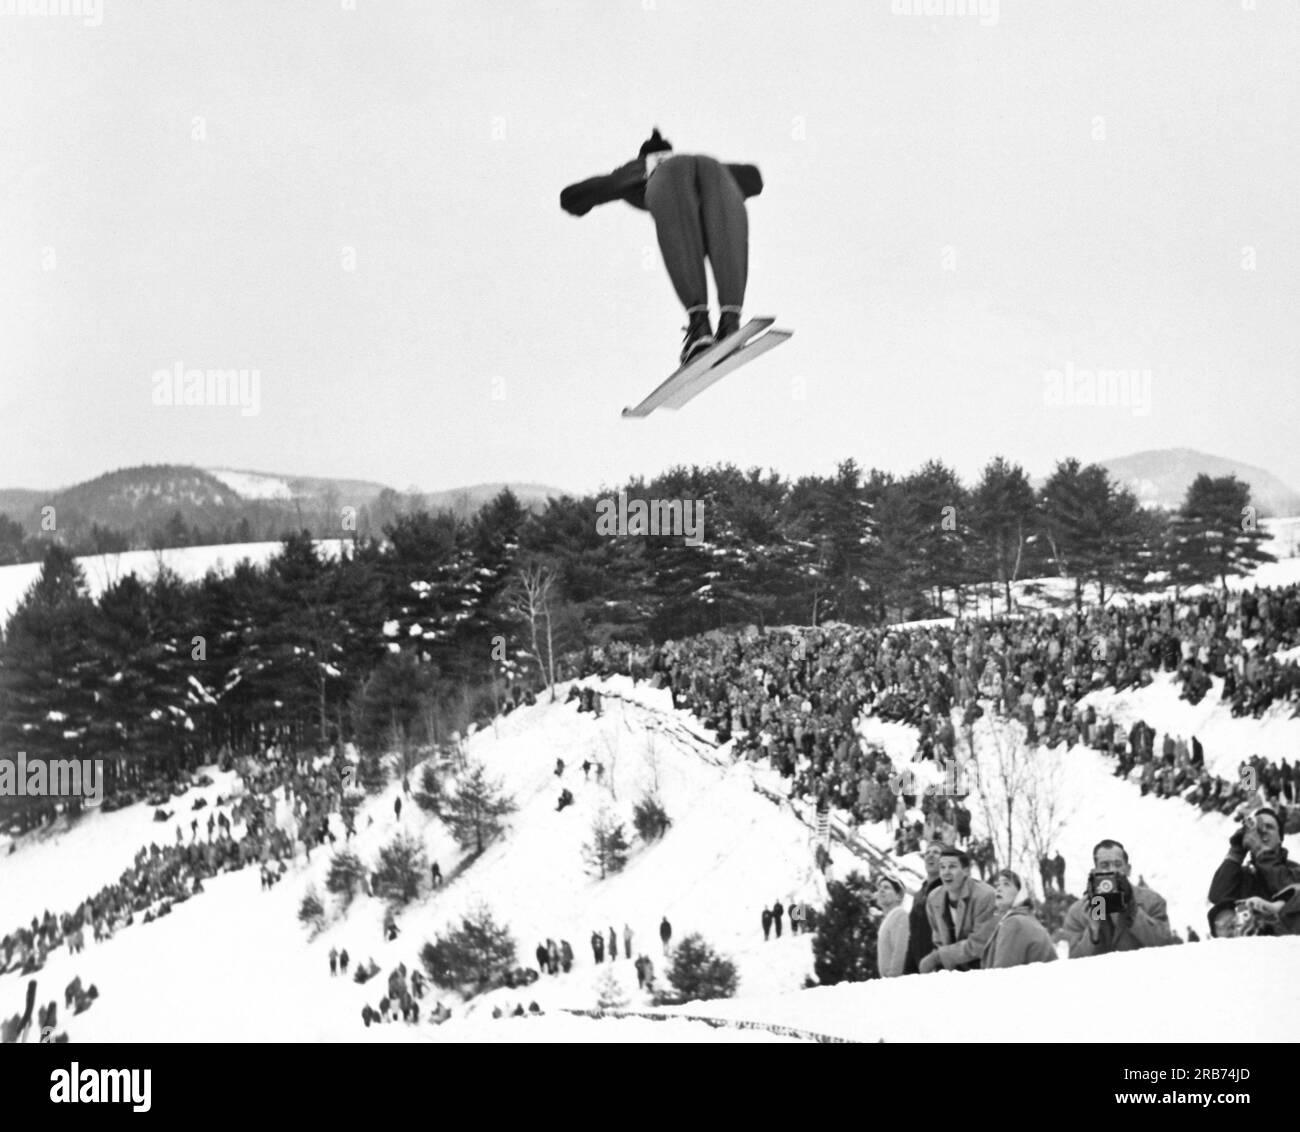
<point>793,698</point>
<point>240,831</point>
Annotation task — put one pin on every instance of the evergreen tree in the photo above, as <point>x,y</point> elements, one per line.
<point>477,954</point>
<point>402,865</point>
<point>47,703</point>
<point>1002,515</point>
<point>431,796</point>
<point>844,948</point>
<point>476,810</point>
<point>650,818</point>
<point>311,912</point>
<point>697,972</point>
<point>606,852</point>
<point>609,991</point>
<point>1215,533</point>
<point>345,875</point>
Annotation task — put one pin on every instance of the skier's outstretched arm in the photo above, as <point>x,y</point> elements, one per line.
<point>748,178</point>
<point>581,198</point>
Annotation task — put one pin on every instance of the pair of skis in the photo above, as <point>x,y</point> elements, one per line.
<point>711,365</point>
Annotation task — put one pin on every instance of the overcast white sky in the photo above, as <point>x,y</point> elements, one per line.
<point>954,205</point>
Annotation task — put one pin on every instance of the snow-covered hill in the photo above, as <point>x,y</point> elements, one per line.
<point>234,964</point>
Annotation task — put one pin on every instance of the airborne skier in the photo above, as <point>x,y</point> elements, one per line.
<point>698,206</point>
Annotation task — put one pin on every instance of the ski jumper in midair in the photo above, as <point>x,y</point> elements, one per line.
<point>698,205</point>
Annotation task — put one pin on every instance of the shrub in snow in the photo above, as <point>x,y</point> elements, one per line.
<point>697,972</point>
<point>401,866</point>
<point>477,954</point>
<point>346,871</point>
<point>650,818</point>
<point>610,993</point>
<point>311,912</point>
<point>430,796</point>
<point>606,852</point>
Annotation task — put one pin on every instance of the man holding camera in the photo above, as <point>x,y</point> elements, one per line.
<point>1270,882</point>
<point>1115,914</point>
<point>962,912</point>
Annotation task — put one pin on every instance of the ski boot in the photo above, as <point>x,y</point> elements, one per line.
<point>699,334</point>
<point>728,322</point>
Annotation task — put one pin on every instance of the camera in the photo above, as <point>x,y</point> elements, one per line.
<point>1246,923</point>
<point>1107,886</point>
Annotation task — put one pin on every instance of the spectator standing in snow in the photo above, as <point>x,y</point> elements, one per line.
<point>597,947</point>
<point>334,960</point>
<point>665,932</point>
<point>627,941</point>
<point>397,807</point>
<point>1018,938</point>
<point>436,876</point>
<point>767,923</point>
<point>891,936</point>
<point>613,944</point>
<point>778,910</point>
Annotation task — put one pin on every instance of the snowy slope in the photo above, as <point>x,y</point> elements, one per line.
<point>253,485</point>
<point>190,563</point>
<point>234,964</point>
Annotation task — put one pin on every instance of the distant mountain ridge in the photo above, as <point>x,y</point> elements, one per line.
<point>235,505</point>
<point>1161,477</point>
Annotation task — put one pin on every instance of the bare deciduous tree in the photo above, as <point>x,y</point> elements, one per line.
<point>529,598</point>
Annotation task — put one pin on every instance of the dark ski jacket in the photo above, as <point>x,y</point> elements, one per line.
<point>1266,875</point>
<point>628,182</point>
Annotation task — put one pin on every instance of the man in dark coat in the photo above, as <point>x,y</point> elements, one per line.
<point>1269,874</point>
<point>541,957</point>
<point>1058,871</point>
<point>597,947</point>
<point>613,945</point>
<point>778,910</point>
<point>919,939</point>
<point>665,932</point>
<point>767,923</point>
<point>698,206</point>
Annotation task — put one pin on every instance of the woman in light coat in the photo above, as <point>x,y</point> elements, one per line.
<point>892,935</point>
<point>1018,938</point>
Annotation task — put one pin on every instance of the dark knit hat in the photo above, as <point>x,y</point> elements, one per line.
<point>1221,906</point>
<point>1273,813</point>
<point>654,144</point>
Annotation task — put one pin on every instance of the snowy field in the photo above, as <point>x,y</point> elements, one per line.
<point>190,563</point>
